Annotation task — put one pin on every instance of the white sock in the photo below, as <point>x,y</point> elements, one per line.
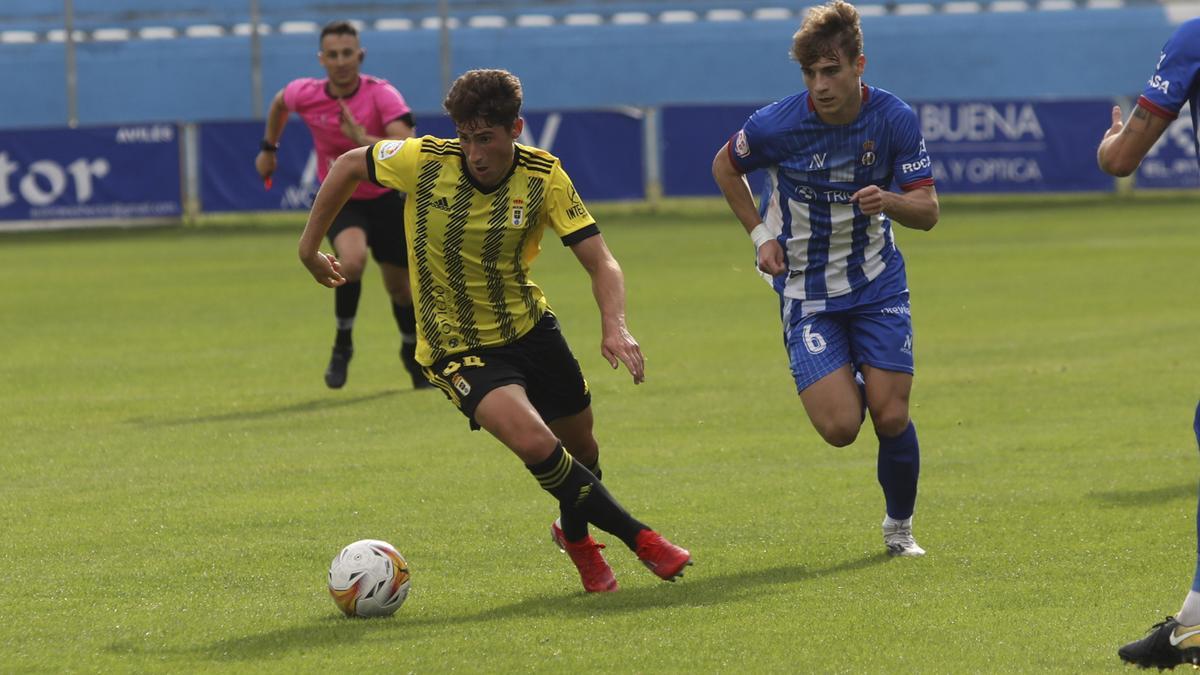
<point>1189,615</point>
<point>888,521</point>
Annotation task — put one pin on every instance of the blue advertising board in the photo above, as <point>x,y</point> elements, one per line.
<point>691,136</point>
<point>1016,146</point>
<point>1171,163</point>
<point>124,173</point>
<point>229,181</point>
<point>976,146</point>
<point>602,151</point>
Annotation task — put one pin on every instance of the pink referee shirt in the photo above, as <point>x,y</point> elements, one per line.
<point>374,104</point>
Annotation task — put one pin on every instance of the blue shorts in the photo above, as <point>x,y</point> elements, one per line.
<point>872,326</point>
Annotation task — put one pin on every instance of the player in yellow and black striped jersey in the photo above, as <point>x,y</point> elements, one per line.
<point>476,212</point>
<point>472,245</point>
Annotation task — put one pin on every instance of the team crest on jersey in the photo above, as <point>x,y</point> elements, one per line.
<point>518,212</point>
<point>741,146</point>
<point>868,156</point>
<point>388,149</point>
<point>461,384</point>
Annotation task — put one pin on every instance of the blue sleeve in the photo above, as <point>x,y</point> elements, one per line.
<point>754,146</point>
<point>911,165</point>
<point>1177,75</point>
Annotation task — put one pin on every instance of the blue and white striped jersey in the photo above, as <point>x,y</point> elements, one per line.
<point>1176,80</point>
<point>813,169</point>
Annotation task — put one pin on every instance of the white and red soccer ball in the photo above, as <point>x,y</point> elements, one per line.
<point>369,578</point>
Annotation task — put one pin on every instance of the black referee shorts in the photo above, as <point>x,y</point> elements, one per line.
<point>382,219</point>
<point>540,361</point>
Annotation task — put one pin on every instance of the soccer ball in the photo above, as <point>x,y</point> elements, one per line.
<point>369,578</point>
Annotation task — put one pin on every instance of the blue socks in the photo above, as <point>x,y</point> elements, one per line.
<point>899,466</point>
<point>1196,578</point>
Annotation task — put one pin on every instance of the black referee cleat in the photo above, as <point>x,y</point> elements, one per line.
<point>1166,645</point>
<point>339,362</point>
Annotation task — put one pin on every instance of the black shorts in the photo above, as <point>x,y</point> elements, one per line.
<point>382,219</point>
<point>540,361</point>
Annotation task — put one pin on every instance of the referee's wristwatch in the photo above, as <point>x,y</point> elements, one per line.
<point>268,146</point>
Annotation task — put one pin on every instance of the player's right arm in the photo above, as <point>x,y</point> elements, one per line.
<point>277,114</point>
<point>737,193</point>
<point>344,176</point>
<point>1124,146</point>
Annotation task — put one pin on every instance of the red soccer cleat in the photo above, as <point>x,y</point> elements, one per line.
<point>661,556</point>
<point>594,572</point>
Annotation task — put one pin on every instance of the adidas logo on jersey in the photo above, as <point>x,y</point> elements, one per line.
<point>442,204</point>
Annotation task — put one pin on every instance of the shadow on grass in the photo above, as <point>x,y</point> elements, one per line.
<point>1145,497</point>
<point>333,630</point>
<point>263,413</point>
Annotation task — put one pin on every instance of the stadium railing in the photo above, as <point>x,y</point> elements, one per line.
<point>40,16</point>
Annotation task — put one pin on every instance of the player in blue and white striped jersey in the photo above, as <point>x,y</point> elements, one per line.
<point>1176,81</point>
<point>824,241</point>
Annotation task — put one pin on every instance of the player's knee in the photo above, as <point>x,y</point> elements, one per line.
<point>839,433</point>
<point>585,450</point>
<point>352,271</point>
<point>531,445</point>
<point>890,423</point>
<point>400,295</point>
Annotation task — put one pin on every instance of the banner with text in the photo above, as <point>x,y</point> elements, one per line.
<point>129,172</point>
<point>602,152</point>
<point>1171,163</point>
<point>976,146</point>
<point>1016,146</point>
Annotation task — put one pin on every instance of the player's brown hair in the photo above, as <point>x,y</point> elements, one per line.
<point>489,96</point>
<point>831,30</point>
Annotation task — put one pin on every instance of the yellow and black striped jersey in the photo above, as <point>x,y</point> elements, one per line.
<point>469,249</point>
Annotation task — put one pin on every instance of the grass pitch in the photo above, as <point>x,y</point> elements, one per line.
<point>174,476</point>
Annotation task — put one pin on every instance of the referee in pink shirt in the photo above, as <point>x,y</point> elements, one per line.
<point>347,110</point>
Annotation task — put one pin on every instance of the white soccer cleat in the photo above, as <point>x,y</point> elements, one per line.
<point>898,537</point>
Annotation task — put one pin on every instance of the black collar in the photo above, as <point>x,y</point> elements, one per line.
<point>357,86</point>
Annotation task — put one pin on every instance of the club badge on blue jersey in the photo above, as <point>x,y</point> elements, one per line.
<point>868,156</point>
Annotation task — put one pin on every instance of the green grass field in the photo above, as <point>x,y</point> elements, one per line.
<point>175,477</point>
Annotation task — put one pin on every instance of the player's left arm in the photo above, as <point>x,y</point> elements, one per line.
<point>1125,145</point>
<point>917,205</point>
<point>917,208</point>
<point>608,286</point>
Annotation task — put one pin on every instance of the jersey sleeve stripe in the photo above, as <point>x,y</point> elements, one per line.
<point>407,118</point>
<point>732,157</point>
<point>534,163</point>
<point>1156,109</point>
<point>443,153</point>
<point>371,165</point>
<point>437,146</point>
<point>920,183</point>
<point>537,166</point>
<point>534,159</point>
<point>581,234</point>
<point>534,169</point>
